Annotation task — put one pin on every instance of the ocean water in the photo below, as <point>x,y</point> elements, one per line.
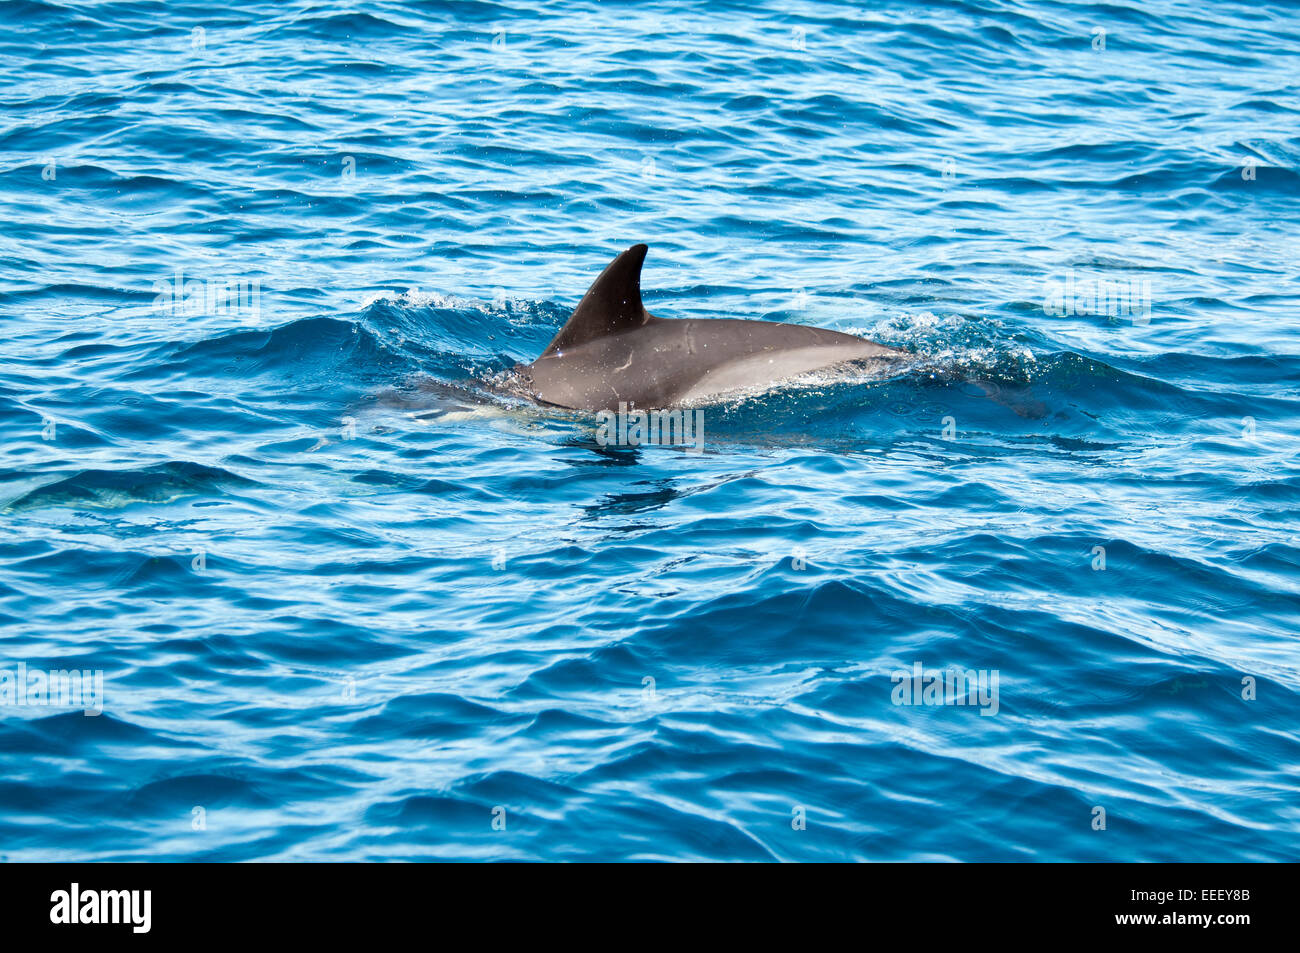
<point>343,595</point>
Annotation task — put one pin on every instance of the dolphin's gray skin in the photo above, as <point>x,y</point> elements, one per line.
<point>612,350</point>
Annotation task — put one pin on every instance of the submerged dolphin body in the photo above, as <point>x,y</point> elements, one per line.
<point>612,350</point>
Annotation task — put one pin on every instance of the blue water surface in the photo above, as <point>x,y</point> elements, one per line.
<point>352,598</point>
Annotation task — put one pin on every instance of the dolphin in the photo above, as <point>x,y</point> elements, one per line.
<point>612,351</point>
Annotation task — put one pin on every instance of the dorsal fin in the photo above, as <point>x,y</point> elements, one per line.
<point>611,304</point>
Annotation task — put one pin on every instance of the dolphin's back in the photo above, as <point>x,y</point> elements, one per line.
<point>613,351</point>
